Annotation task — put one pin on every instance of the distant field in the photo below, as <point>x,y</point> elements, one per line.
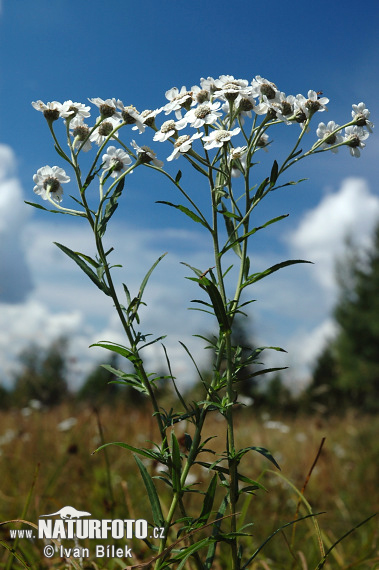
<point>344,482</point>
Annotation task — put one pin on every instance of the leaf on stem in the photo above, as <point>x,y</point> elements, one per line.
<point>187,212</point>
<point>274,173</point>
<point>251,232</point>
<point>152,494</point>
<point>258,276</point>
<point>70,212</point>
<point>111,207</point>
<point>217,302</point>
<point>119,349</point>
<point>231,231</point>
<point>77,257</point>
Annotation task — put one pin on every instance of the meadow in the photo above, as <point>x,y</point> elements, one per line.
<point>47,462</point>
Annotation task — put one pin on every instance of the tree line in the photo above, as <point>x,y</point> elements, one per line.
<point>345,374</point>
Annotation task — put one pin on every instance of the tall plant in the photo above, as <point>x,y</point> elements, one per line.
<point>209,120</point>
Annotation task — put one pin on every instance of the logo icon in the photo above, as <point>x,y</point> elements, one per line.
<point>69,513</point>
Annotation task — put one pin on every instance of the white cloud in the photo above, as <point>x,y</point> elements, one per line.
<point>309,292</point>
<point>15,277</point>
<point>321,234</point>
<point>292,308</point>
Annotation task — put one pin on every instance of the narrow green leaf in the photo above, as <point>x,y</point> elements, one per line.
<point>178,177</point>
<point>216,529</point>
<point>111,206</point>
<point>198,272</point>
<point>224,470</point>
<point>76,256</point>
<point>118,348</point>
<point>152,494</point>
<point>252,232</point>
<point>263,451</point>
<point>217,303</point>
<point>291,183</point>
<point>188,551</point>
<point>147,276</point>
<point>274,173</point>
<point>261,189</point>
<point>143,452</point>
<point>258,276</point>
<point>246,565</point>
<point>267,371</point>
<point>70,213</point>
<point>321,564</point>
<point>232,234</point>
<point>208,501</point>
<point>187,212</point>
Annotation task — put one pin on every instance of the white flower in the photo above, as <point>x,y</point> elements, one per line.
<point>116,158</point>
<point>169,129</point>
<point>75,110</point>
<point>238,155</point>
<point>80,132</point>
<point>360,114</point>
<point>285,108</point>
<point>354,136</point>
<point>183,144</point>
<point>99,135</point>
<point>51,111</point>
<point>270,424</point>
<point>325,133</point>
<point>311,105</point>
<point>204,114</point>
<point>262,142</point>
<point>48,182</point>
<point>66,425</point>
<point>178,100</point>
<point>262,87</point>
<point>218,137</point>
<point>107,107</point>
<point>147,117</point>
<point>146,155</point>
<point>229,88</point>
<point>131,116</point>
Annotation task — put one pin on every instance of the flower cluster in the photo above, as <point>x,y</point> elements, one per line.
<point>216,110</point>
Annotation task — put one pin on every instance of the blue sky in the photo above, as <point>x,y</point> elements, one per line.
<point>71,49</point>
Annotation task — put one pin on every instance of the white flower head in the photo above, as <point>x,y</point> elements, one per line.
<point>107,107</point>
<point>80,132</point>
<point>117,159</point>
<point>208,84</point>
<point>169,129</point>
<point>182,145</point>
<point>51,111</point>
<point>328,136</point>
<point>146,155</point>
<point>263,88</point>
<point>360,115</point>
<point>72,110</point>
<point>237,160</point>
<point>228,88</point>
<point>147,117</point>
<point>204,114</point>
<point>285,108</point>
<point>178,100</point>
<point>262,142</point>
<point>131,116</point>
<point>48,182</point>
<point>354,136</point>
<point>105,128</point>
<point>218,137</point>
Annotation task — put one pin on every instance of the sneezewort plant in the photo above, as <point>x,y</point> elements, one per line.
<point>218,128</point>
